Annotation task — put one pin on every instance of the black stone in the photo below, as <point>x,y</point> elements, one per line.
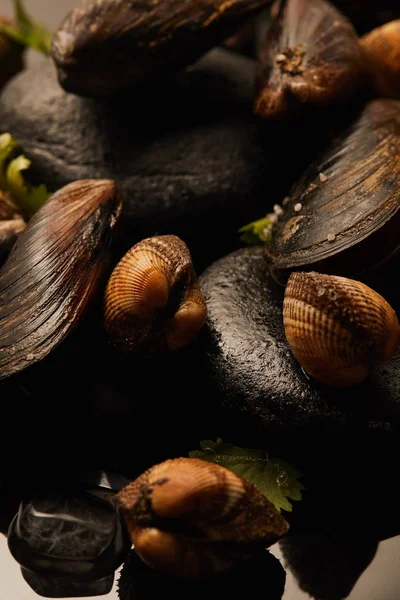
<point>325,563</point>
<point>137,581</point>
<point>76,536</point>
<point>190,156</point>
<point>54,587</point>
<point>251,370</point>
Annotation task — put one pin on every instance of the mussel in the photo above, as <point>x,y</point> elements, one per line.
<point>342,217</point>
<point>52,272</point>
<point>310,57</point>
<point>104,46</point>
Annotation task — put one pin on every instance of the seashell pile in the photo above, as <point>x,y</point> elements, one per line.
<point>123,75</point>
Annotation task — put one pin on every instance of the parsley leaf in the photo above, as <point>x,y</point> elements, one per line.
<point>26,30</point>
<point>257,232</point>
<point>27,197</point>
<point>275,478</point>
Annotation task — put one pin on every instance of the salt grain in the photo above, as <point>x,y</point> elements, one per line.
<point>278,210</point>
<point>331,237</point>
<point>297,207</point>
<point>322,178</point>
<point>280,58</point>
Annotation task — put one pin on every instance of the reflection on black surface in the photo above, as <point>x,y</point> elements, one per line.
<point>263,573</point>
<point>112,416</point>
<point>325,564</point>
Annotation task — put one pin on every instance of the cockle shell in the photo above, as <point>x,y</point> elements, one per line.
<point>381,48</point>
<point>310,56</point>
<point>190,517</point>
<point>104,46</point>
<point>153,301</point>
<point>337,328</point>
<point>52,272</point>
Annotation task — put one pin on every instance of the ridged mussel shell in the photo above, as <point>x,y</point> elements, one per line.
<point>104,46</point>
<point>342,217</point>
<point>381,48</point>
<point>52,272</point>
<point>337,328</point>
<point>310,56</point>
<point>153,301</point>
<point>190,517</point>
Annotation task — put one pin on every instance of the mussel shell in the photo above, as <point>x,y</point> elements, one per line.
<point>342,216</point>
<point>310,56</point>
<point>52,272</point>
<point>104,46</point>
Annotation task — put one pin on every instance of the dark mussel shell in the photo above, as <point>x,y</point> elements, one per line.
<point>342,217</point>
<point>310,56</point>
<point>104,46</point>
<point>51,273</point>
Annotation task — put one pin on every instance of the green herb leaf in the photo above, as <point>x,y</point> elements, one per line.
<point>257,232</point>
<point>27,31</point>
<point>275,478</point>
<point>28,197</point>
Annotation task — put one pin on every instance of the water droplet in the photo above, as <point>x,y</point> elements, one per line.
<point>30,357</point>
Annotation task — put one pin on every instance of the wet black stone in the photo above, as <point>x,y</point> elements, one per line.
<point>264,572</point>
<point>252,373</point>
<point>77,537</point>
<point>188,155</point>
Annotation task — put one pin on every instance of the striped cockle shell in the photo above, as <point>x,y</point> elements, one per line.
<point>337,328</point>
<point>190,517</point>
<point>153,301</point>
<point>381,48</point>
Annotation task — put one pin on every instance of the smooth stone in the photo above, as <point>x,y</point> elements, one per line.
<point>250,370</point>
<point>191,158</point>
<point>137,581</point>
<point>52,587</point>
<point>76,536</point>
<point>325,563</point>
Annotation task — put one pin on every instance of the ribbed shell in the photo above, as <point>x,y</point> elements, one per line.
<point>310,56</point>
<point>104,46</point>
<point>337,327</point>
<point>381,48</point>
<point>51,273</point>
<point>205,496</point>
<point>185,557</point>
<point>152,300</point>
<point>342,216</point>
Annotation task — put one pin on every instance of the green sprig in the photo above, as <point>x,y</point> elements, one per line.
<point>26,31</point>
<point>275,478</point>
<point>257,232</point>
<point>12,165</point>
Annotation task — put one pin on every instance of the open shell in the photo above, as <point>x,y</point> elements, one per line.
<point>153,301</point>
<point>51,274</point>
<point>190,517</point>
<point>311,56</point>
<point>342,217</point>
<point>337,328</point>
